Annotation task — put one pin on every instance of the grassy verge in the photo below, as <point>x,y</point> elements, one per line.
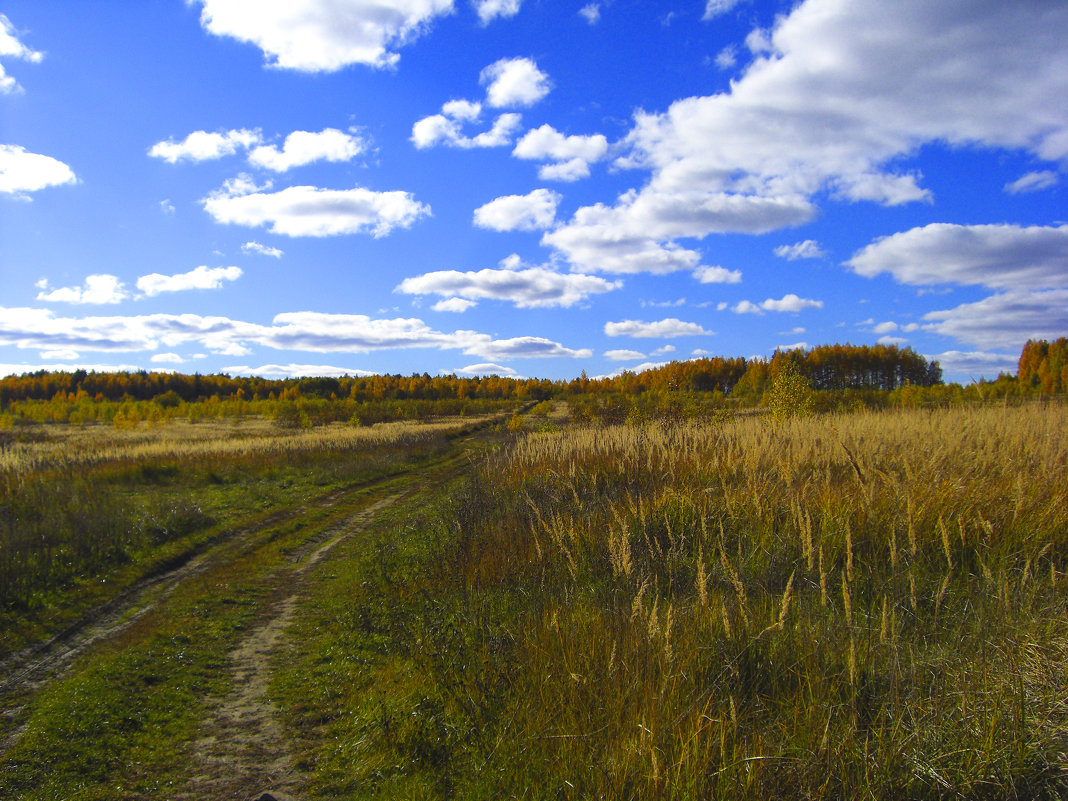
<point>867,605</point>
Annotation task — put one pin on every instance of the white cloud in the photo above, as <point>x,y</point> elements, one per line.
<point>512,82</point>
<point>1033,182</point>
<point>311,211</point>
<point>591,13</point>
<point>262,250</point>
<point>885,328</point>
<point>525,348</point>
<point>296,371</point>
<point>305,147</point>
<point>717,275</point>
<point>167,358</point>
<point>715,8</point>
<point>964,365</point>
<point>607,238</point>
<point>809,249</point>
<point>22,172</point>
<point>59,355</point>
<point>458,305</point>
<point>323,35</point>
<point>204,145</point>
<point>489,10</point>
<point>535,211</point>
<point>837,96</point>
<point>787,303</point>
<point>794,346</point>
<point>11,47</point>
<point>447,128</point>
<point>994,256</point>
<point>727,57</point>
<point>530,288</point>
<point>571,155</point>
<point>98,289</point>
<point>671,327</point>
<point>167,207</point>
<point>486,368</point>
<point>200,278</point>
<point>462,110</point>
<point>624,355</point>
<point>1005,320</point>
<point>891,340</point>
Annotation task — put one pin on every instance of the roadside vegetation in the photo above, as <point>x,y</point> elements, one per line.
<point>843,606</point>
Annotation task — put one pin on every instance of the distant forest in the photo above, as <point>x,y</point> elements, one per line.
<point>1043,368</point>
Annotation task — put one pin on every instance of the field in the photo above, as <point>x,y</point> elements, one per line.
<point>833,606</point>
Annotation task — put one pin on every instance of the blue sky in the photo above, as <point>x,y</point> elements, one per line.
<point>527,188</point>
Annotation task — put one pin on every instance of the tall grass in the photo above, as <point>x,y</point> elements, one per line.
<point>866,605</point>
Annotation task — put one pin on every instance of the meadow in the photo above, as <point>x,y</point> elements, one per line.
<point>87,510</point>
<point>868,604</point>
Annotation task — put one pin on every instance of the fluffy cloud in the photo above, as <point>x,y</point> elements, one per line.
<point>1005,320</point>
<point>489,10</point>
<point>1033,182</point>
<point>671,327</point>
<point>571,156</point>
<point>205,146</point>
<point>715,8</point>
<point>994,256</point>
<point>809,249</point>
<point>837,94</point>
<point>22,172</point>
<point>591,13</point>
<point>787,303</point>
<point>97,289</point>
<point>311,211</point>
<point>11,47</point>
<point>535,211</point>
<point>512,82</point>
<point>323,35</point>
<point>717,275</point>
<point>447,128</point>
<point>457,305</point>
<point>960,365</point>
<point>305,147</point>
<point>530,288</point>
<point>262,250</point>
<point>606,238</point>
<point>200,278</point>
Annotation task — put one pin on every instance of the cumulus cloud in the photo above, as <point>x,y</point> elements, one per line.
<point>22,172</point>
<point>447,128</point>
<point>311,211</point>
<point>529,288</point>
<point>959,365</point>
<point>670,327</point>
<point>717,275</point>
<point>97,289</point>
<point>994,256</point>
<point>591,13</point>
<point>489,10</point>
<point>458,305</point>
<point>837,95</point>
<point>525,348</point>
<point>305,147</point>
<point>262,250</point>
<point>571,156</point>
<point>200,278</point>
<point>11,47</point>
<point>809,249</point>
<point>787,303</point>
<point>535,211</point>
<point>1033,182</point>
<point>1005,320</point>
<point>323,35</point>
<point>514,82</point>
<point>205,145</point>
<point>167,358</point>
